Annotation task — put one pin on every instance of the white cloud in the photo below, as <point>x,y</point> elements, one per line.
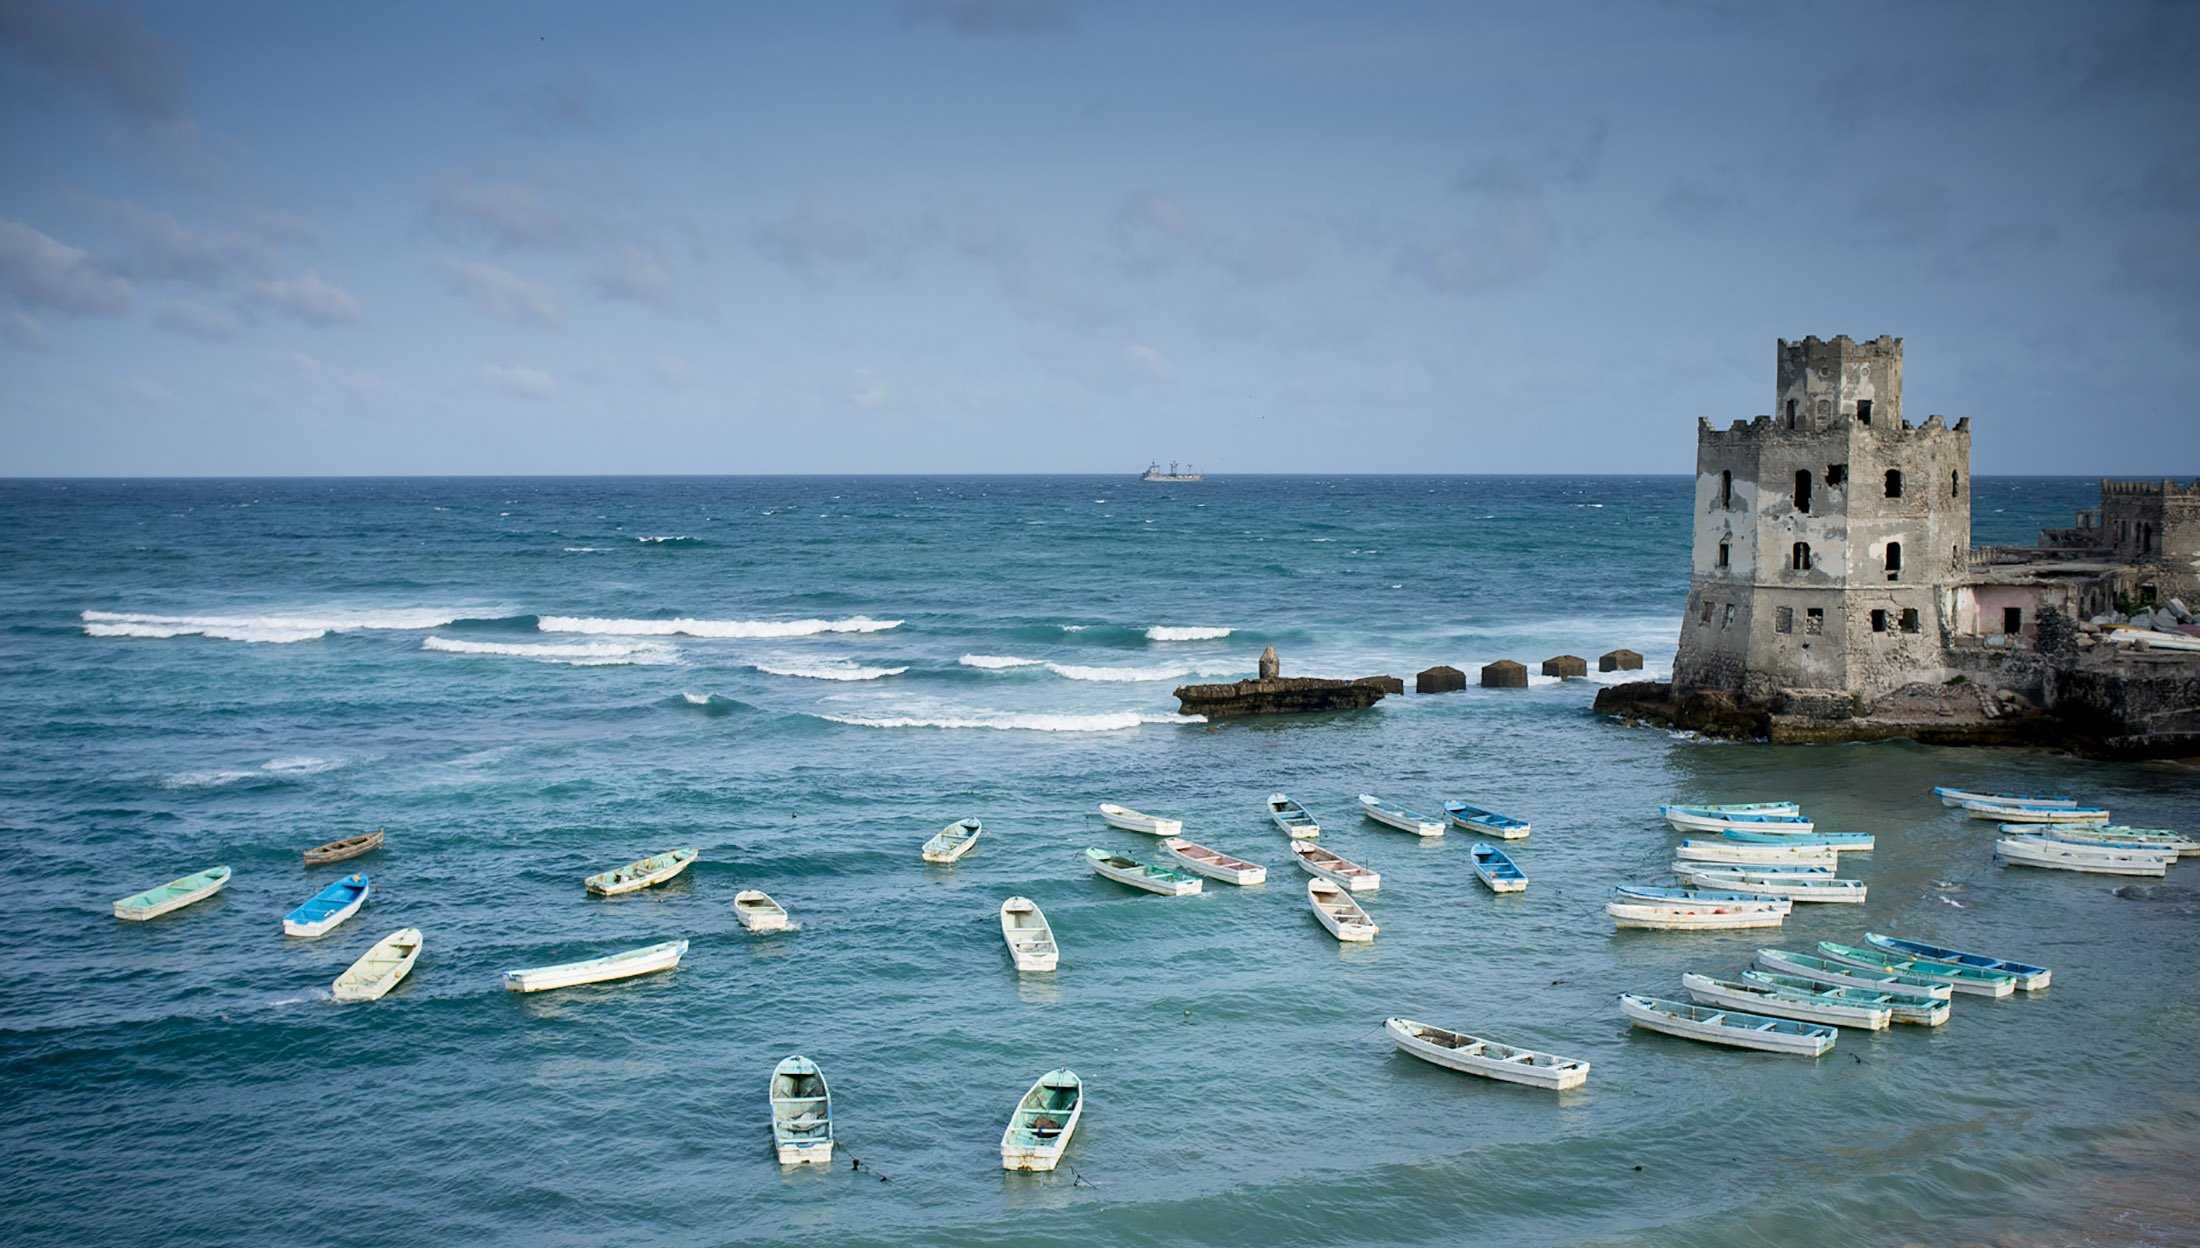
<point>509,215</point>
<point>501,293</point>
<point>517,379</point>
<point>633,274</point>
<point>198,320</point>
<point>43,272</point>
<point>307,299</point>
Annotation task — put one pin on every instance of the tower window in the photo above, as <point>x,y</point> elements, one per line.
<point>1814,620</point>
<point>1879,620</point>
<point>1784,621</point>
<point>1864,414</point>
<point>1705,618</point>
<point>1802,490</point>
<point>2012,620</point>
<point>1955,484</point>
<point>1723,553</point>
<point>1837,475</point>
<point>1799,558</point>
<point>1726,489</point>
<point>1728,618</point>
<point>1909,619</point>
<point>1894,483</point>
<point>1894,561</point>
<point>1791,413</point>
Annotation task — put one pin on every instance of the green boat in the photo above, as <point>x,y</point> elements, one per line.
<point>1970,979</point>
<point>1925,1011</point>
<point>174,895</point>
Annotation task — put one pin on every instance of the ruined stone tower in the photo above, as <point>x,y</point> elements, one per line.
<point>1826,533</point>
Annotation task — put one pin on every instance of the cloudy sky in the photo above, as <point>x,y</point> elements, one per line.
<point>1039,235</point>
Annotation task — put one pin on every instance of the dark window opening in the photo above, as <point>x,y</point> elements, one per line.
<point>1726,489</point>
<point>1836,475</point>
<point>1814,620</point>
<point>1863,411</point>
<point>1955,484</point>
<point>2012,620</point>
<point>1705,618</point>
<point>1784,621</point>
<point>1909,619</point>
<point>1894,561</point>
<point>1723,551</point>
<point>1802,490</point>
<point>1894,483</point>
<point>2146,595</point>
<point>1799,558</point>
<point>1879,620</point>
<point>1791,413</point>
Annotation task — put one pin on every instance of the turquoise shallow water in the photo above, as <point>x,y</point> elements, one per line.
<point>284,662</point>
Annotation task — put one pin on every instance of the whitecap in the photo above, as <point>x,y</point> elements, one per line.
<point>1165,633</point>
<point>272,629</point>
<point>273,769</point>
<point>711,628</point>
<point>829,671</point>
<point>996,662</point>
<point>582,550</point>
<point>577,654</point>
<point>1115,722</point>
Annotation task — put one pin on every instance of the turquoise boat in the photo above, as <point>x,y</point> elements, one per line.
<point>1838,842</point>
<point>1495,868</point>
<point>322,912</point>
<point>1962,978</point>
<point>2039,801</point>
<point>1924,1011</point>
<point>1487,822</point>
<point>2029,977</point>
<point>174,895</point>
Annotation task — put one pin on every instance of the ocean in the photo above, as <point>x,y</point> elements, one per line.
<point>529,680</point>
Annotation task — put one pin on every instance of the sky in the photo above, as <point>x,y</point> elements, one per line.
<point>947,236</point>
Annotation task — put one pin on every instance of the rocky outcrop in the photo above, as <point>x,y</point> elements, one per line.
<point>1622,660</point>
<point>1504,674</point>
<point>1565,665</point>
<point>1270,666</point>
<point>1294,696</point>
<point>1389,684</point>
<point>1440,679</point>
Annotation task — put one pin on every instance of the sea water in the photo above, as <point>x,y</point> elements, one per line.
<point>527,681</point>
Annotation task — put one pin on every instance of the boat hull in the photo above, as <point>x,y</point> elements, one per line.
<point>1736,853</point>
<point>1497,871</point>
<point>1713,821</point>
<point>141,906</point>
<point>1402,820</point>
<point>1644,1013</point>
<point>612,884</point>
<point>648,960</point>
<point>1695,899</point>
<point>1705,990</point>
<point>1137,876</point>
<point>2053,856</point>
<point>950,843</point>
<point>2029,978</point>
<point>1129,820</point>
<point>321,923</point>
<point>1901,1008</point>
<point>343,849</point>
<point>1841,975</point>
<point>1976,982</point>
<point>758,912</point>
<point>1352,925</point>
<point>380,968</point>
<point>1021,1153</point>
<point>1028,935</point>
<point>1221,867</point>
<point>1957,797</point>
<point>1363,881</point>
<point>1480,1058</point>
<point>1794,888</point>
<point>1651,918</point>
<point>2034,814</point>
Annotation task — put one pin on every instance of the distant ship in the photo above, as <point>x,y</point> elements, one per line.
<point>1154,473</point>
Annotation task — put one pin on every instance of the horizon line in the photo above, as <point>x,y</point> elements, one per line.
<point>738,476</point>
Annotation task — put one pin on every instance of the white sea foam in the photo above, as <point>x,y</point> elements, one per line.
<point>273,769</point>
<point>271,629</point>
<point>578,654</point>
<point>1115,722</point>
<point>711,628</point>
<point>698,699</point>
<point>1164,633</point>
<point>582,550</point>
<point>996,662</point>
<point>829,671</point>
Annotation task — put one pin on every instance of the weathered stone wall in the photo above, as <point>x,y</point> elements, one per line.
<point>1826,380</point>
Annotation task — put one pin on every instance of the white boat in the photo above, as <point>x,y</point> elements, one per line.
<point>1792,887</point>
<point>1030,938</point>
<point>1336,868</point>
<point>2084,816</point>
<point>758,912</point>
<point>802,1113</point>
<point>1727,1027</point>
<point>1496,869</point>
<point>1338,912</point>
<point>1140,875</point>
<point>1977,980</point>
<point>2119,837</point>
<point>1136,821</point>
<point>1399,817</point>
<point>1214,864</point>
<point>1290,818</point>
<point>1736,852</point>
<point>1654,918</point>
<point>1901,1007</point>
<point>1473,1055</point>
<point>647,960</point>
<point>1696,898</point>
<point>1696,819</point>
<point>1744,808</point>
<point>641,873</point>
<point>2043,801</point>
<point>1826,971</point>
<point>952,841</point>
<point>1044,1119</point>
<point>380,968</point>
<point>2037,851</point>
<point>1775,1003</point>
<point>174,895</point>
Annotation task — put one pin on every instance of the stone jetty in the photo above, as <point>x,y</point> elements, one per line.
<point>1273,693</point>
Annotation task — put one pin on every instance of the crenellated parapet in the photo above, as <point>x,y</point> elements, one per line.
<point>2165,488</point>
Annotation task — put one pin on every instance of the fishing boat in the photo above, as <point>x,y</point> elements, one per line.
<point>1901,1007</point>
<point>641,873</point>
<point>1338,912</point>
<point>2042,801</point>
<point>2029,977</point>
<point>1336,868</point>
<point>320,914</point>
<point>802,1113</point>
<point>1214,864</point>
<point>1841,975</point>
<point>1030,938</point>
<point>2124,837</point>
<point>647,960</point>
<point>1495,868</point>
<point>1487,822</point>
<point>1137,874</point>
<point>758,912</point>
<point>1975,980</point>
<point>380,968</point>
<point>2081,816</point>
<point>1838,842</point>
<point>1655,918</point>
<point>1291,818</point>
<point>953,841</point>
<point>2038,851</point>
<point>1695,898</point>
<point>1472,1055</point>
<point>343,847</point>
<point>1137,821</point>
<point>1399,817</point>
<point>2179,841</point>
<point>1805,1007</point>
<point>1727,1027</point>
<point>1697,819</point>
<point>1043,1121</point>
<point>174,895</point>
<point>1791,886</point>
<point>1739,854</point>
<point>1742,808</point>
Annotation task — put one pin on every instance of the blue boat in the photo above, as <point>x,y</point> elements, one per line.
<point>1493,867</point>
<point>2030,978</point>
<point>1839,842</point>
<point>332,905</point>
<point>1487,822</point>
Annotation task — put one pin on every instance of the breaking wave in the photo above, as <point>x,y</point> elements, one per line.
<point>672,539</point>
<point>577,654</point>
<point>1115,722</point>
<point>1162,633</point>
<point>268,629</point>
<point>829,671</point>
<point>1110,675</point>
<point>997,662</point>
<point>711,628</point>
<point>274,769</point>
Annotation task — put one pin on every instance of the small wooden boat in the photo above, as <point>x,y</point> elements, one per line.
<point>1727,1027</point>
<point>2029,977</point>
<point>320,914</point>
<point>1043,1121</point>
<point>1291,818</point>
<point>1791,886</point>
<point>1797,870</point>
<point>1901,1007</point>
<point>1472,1055</point>
<point>1487,822</point>
<point>2042,801</point>
<point>2038,851</point>
<point>1029,936</point>
<point>1698,819</point>
<point>1495,868</point>
<point>953,841</point>
<point>1651,918</point>
<point>1139,875</point>
<point>758,912</point>
<point>2081,816</point>
<point>1695,898</point>
<point>1841,975</point>
<point>174,895</point>
<point>344,847</point>
<point>1214,864</point>
<point>647,960</point>
<point>1338,912</point>
<point>1136,821</point>
<point>1743,808</point>
<point>1803,1007</point>
<point>1399,817</point>
<point>1971,979</point>
<point>641,873</point>
<point>2179,841</point>
<point>380,968</point>
<point>1735,853</point>
<point>1838,842</point>
<point>802,1113</point>
<point>2110,837</point>
<point>1336,868</point>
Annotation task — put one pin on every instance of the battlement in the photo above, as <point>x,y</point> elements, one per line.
<point>2165,488</point>
<point>1814,350</point>
<point>1822,385</point>
<point>1771,430</point>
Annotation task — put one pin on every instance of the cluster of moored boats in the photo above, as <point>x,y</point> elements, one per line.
<point>1748,867</point>
<point>2055,832</point>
